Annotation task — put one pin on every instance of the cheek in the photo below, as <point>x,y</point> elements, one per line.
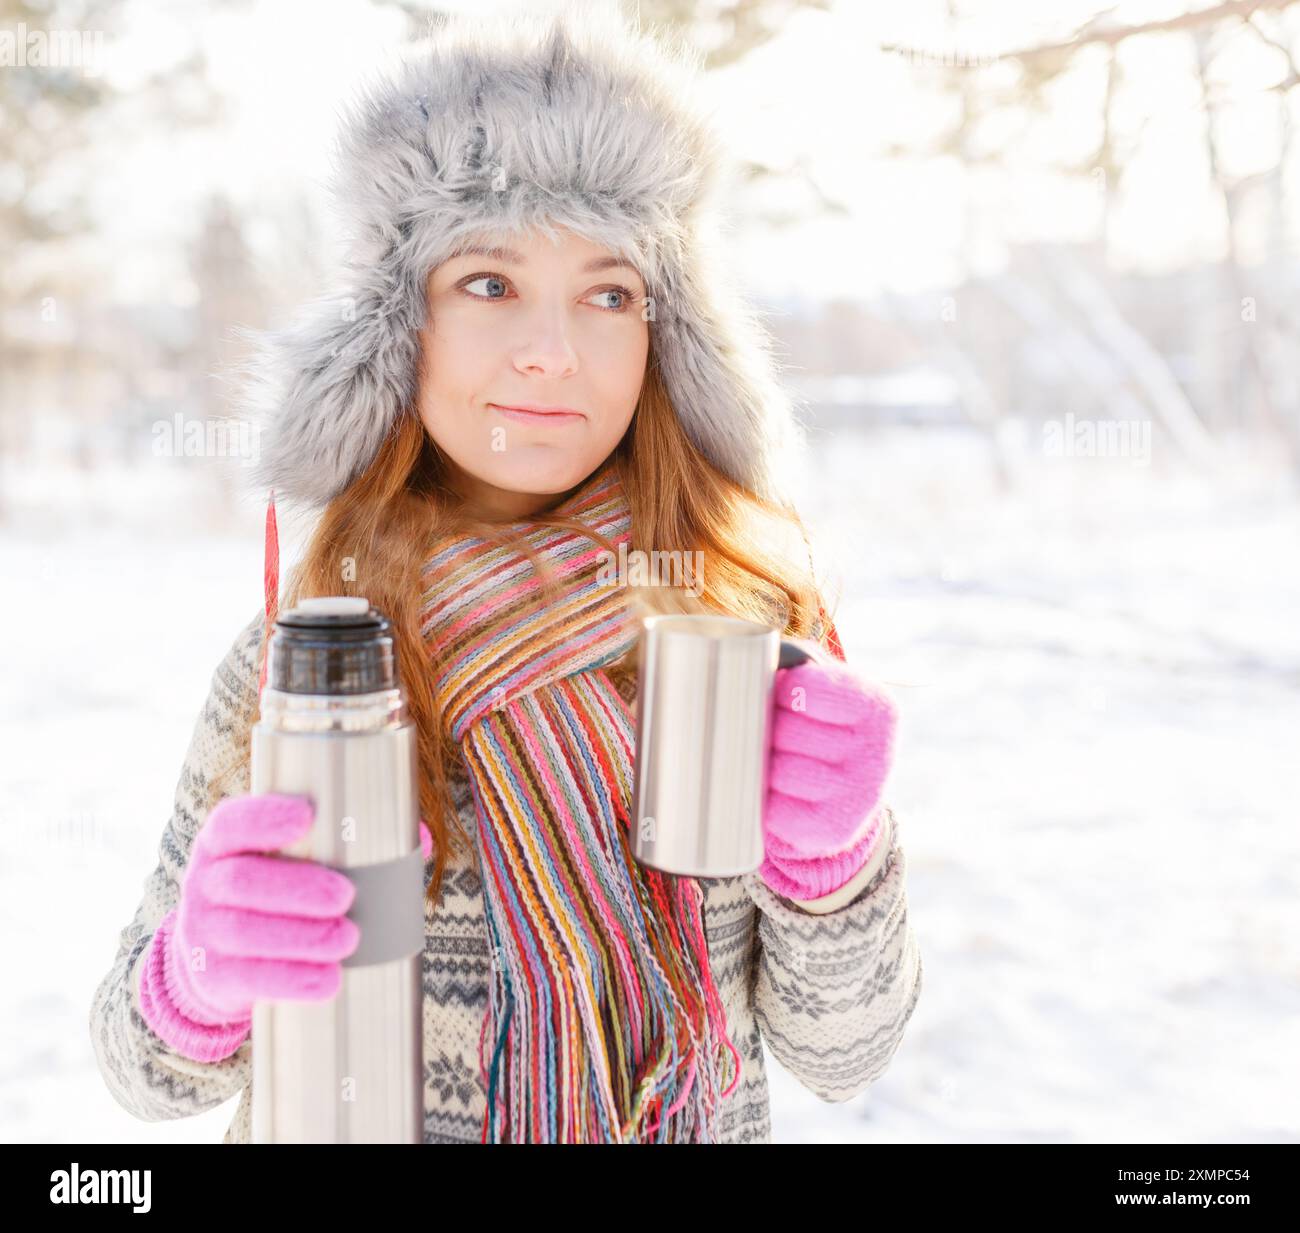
<point>620,373</point>
<point>456,358</point>
<point>458,345</point>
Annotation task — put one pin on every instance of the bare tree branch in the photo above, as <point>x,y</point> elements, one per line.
<point>1101,29</point>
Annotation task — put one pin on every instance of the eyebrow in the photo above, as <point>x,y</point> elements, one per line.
<point>514,257</point>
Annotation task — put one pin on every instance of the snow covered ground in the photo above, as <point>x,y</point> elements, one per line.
<point>1099,680</point>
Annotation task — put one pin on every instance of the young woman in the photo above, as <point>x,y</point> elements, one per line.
<point>533,363</point>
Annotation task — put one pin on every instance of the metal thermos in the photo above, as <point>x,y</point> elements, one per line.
<point>704,705</point>
<point>334,727</point>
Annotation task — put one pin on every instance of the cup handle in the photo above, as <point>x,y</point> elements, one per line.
<point>794,652</point>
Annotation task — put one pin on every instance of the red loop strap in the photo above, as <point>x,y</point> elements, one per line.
<point>270,577</point>
<point>832,635</point>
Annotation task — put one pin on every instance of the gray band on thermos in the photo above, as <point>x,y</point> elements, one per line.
<point>384,934</point>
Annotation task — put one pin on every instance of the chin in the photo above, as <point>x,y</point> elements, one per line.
<point>542,476</point>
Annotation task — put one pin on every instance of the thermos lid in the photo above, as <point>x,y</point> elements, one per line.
<point>334,605</point>
<point>332,644</point>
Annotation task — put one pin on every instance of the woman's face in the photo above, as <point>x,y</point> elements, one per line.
<point>536,324</point>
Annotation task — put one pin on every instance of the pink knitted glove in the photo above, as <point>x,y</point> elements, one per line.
<point>829,754</point>
<point>255,926</point>
<point>247,926</point>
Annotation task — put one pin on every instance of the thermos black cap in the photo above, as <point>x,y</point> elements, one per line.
<point>332,644</point>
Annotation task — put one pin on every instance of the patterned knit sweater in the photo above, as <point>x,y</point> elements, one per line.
<point>829,986</point>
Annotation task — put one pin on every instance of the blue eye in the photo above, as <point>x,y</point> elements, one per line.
<point>485,278</point>
<point>624,292</point>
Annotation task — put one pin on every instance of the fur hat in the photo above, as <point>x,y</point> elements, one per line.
<point>509,122</point>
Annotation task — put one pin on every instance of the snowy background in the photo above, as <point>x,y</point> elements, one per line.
<point>966,221</point>
<point>1099,678</point>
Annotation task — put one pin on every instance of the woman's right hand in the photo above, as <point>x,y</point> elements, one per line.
<point>250,924</point>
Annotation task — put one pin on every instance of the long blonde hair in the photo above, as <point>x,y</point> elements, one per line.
<point>374,539</point>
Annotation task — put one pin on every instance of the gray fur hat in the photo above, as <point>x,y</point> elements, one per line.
<point>573,118</point>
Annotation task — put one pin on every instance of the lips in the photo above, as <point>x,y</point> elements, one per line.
<point>539,415</point>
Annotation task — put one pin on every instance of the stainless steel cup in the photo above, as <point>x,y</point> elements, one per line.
<point>704,706</point>
<point>334,727</point>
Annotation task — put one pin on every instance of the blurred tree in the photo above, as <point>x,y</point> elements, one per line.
<point>982,98</point>
<point>59,113</point>
<point>727,31</point>
<point>44,106</point>
<point>227,292</point>
<point>43,113</point>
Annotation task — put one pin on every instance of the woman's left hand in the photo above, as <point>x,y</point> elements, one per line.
<point>830,750</point>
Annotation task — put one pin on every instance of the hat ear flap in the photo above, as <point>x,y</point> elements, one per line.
<point>716,359</point>
<point>325,391</point>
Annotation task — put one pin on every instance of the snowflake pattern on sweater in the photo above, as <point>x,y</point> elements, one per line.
<point>830,993</point>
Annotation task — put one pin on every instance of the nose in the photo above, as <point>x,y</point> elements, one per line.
<point>549,350</point>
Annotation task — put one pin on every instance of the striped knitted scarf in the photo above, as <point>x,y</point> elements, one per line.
<point>603,1022</point>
